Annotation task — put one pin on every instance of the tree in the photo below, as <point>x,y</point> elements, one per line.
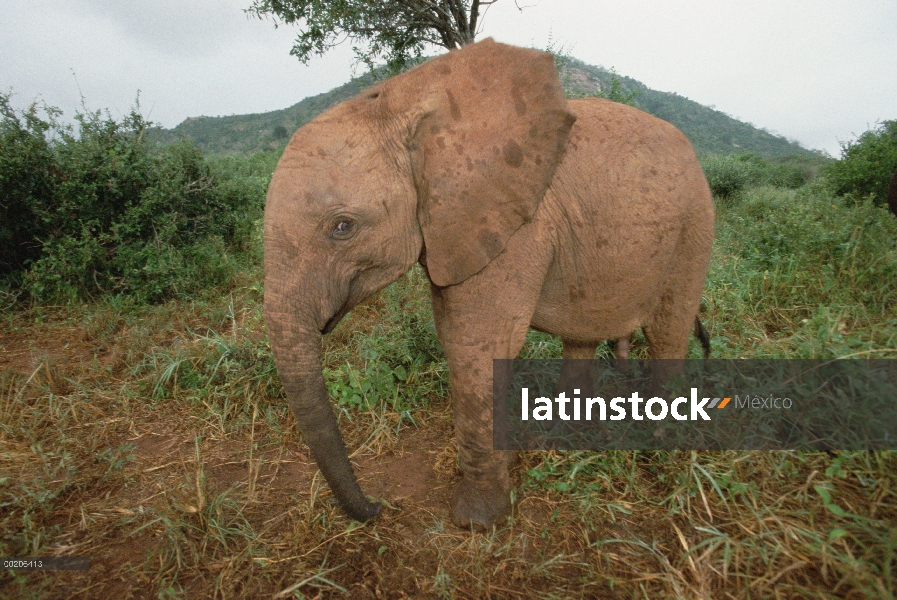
<point>867,164</point>
<point>397,31</point>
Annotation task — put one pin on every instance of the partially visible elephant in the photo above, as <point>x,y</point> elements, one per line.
<point>892,194</point>
<point>585,219</point>
<point>622,344</point>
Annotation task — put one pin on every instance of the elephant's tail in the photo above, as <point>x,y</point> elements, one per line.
<point>703,337</point>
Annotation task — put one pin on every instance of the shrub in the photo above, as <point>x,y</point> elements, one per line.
<point>867,164</point>
<point>726,175</point>
<point>28,180</point>
<point>788,174</point>
<point>104,210</point>
<point>731,173</point>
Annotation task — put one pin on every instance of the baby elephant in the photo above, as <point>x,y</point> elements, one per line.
<point>586,219</point>
<point>622,345</point>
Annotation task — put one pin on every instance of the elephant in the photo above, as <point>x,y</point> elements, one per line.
<point>892,194</point>
<point>585,219</point>
<point>622,344</point>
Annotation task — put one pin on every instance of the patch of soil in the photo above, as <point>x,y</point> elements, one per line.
<point>69,348</point>
<point>410,478</point>
<point>400,475</point>
<point>156,445</point>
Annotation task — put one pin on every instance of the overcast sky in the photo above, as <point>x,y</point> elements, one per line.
<point>816,71</point>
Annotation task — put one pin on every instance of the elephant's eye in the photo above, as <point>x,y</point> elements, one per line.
<point>342,229</point>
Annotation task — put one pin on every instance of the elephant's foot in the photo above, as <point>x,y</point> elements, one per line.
<point>480,506</point>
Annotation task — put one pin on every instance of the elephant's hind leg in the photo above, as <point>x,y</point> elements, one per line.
<point>579,350</point>
<point>670,329</point>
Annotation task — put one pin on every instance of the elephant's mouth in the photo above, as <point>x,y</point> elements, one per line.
<point>328,327</point>
<point>335,319</point>
<point>352,299</point>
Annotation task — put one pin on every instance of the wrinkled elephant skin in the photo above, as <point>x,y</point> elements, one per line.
<point>586,219</point>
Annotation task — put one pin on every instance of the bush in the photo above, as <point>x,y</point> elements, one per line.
<point>867,164</point>
<point>789,172</point>
<point>726,175</point>
<point>104,210</point>
<point>731,173</point>
<point>28,179</point>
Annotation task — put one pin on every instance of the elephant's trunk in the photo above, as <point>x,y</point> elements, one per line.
<point>297,353</point>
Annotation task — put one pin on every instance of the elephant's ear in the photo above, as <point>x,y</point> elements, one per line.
<point>492,128</point>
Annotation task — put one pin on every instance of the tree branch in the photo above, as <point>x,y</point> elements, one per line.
<point>474,15</point>
<point>396,30</point>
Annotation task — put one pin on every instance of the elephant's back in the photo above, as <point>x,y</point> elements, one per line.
<point>620,158</point>
<point>631,147</point>
<point>631,213</point>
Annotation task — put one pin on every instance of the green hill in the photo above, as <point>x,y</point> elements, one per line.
<point>260,131</point>
<point>711,131</point>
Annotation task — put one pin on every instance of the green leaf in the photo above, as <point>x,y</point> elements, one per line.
<point>823,493</point>
<point>836,534</point>
<point>827,501</point>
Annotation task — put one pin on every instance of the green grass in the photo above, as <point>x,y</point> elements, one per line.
<point>799,274</point>
<point>156,440</point>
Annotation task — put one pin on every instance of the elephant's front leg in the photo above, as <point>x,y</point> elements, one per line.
<point>483,497</point>
<point>477,322</point>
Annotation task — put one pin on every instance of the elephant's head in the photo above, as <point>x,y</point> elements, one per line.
<point>441,164</point>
